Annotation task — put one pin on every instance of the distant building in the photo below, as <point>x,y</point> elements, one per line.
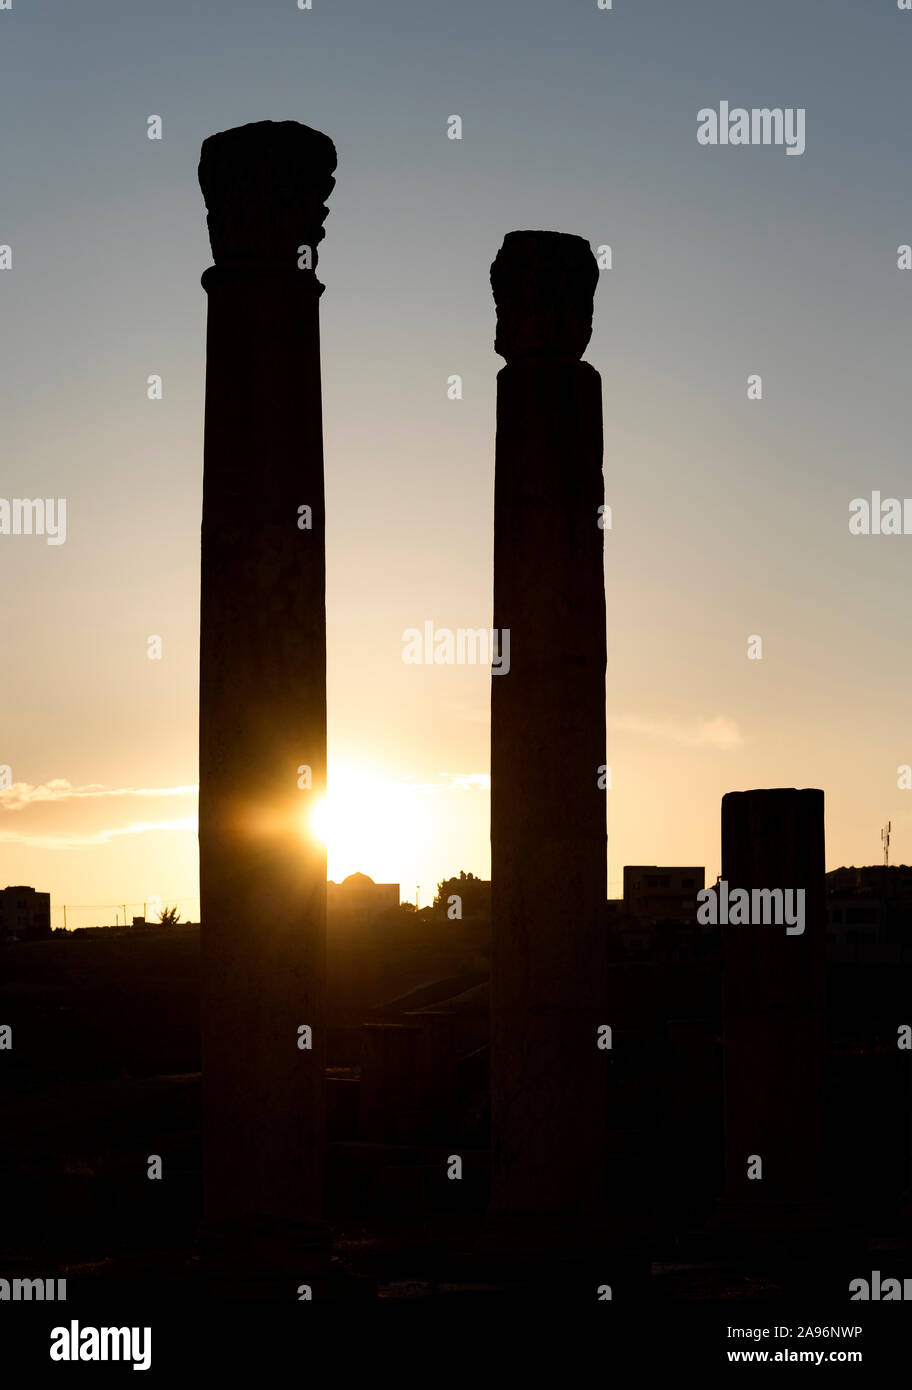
<point>656,920</point>
<point>659,893</point>
<point>358,899</point>
<point>869,915</point>
<point>24,914</point>
<point>873,880</point>
<point>139,921</point>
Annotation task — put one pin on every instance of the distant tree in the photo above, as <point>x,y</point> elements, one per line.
<point>393,916</point>
<point>169,917</point>
<point>474,892</point>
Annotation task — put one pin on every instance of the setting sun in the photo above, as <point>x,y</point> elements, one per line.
<point>366,823</point>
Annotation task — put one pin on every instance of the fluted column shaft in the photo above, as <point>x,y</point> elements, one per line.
<point>263,678</point>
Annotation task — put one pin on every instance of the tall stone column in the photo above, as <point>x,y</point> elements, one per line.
<point>548,840</point>
<point>774,1013</point>
<point>263,690</point>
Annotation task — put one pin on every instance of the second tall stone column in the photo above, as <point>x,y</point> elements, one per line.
<point>548,842</point>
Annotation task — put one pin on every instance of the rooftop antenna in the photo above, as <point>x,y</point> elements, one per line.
<point>885,836</point>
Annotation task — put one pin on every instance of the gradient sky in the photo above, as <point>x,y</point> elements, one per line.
<point>730,516</point>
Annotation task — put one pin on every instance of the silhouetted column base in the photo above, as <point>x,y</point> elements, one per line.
<point>531,1258</point>
<point>771,1216</point>
<point>533,1232</point>
<point>262,1254</point>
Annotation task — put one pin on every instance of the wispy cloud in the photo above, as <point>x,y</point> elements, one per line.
<point>77,840</point>
<point>21,794</point>
<point>718,732</point>
<point>455,782</point>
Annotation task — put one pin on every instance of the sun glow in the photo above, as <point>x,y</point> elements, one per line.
<point>368,823</point>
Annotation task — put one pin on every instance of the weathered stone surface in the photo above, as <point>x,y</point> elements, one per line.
<point>543,284</point>
<point>265,187</point>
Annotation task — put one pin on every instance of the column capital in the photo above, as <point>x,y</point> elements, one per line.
<point>265,186</point>
<point>543,284</point>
